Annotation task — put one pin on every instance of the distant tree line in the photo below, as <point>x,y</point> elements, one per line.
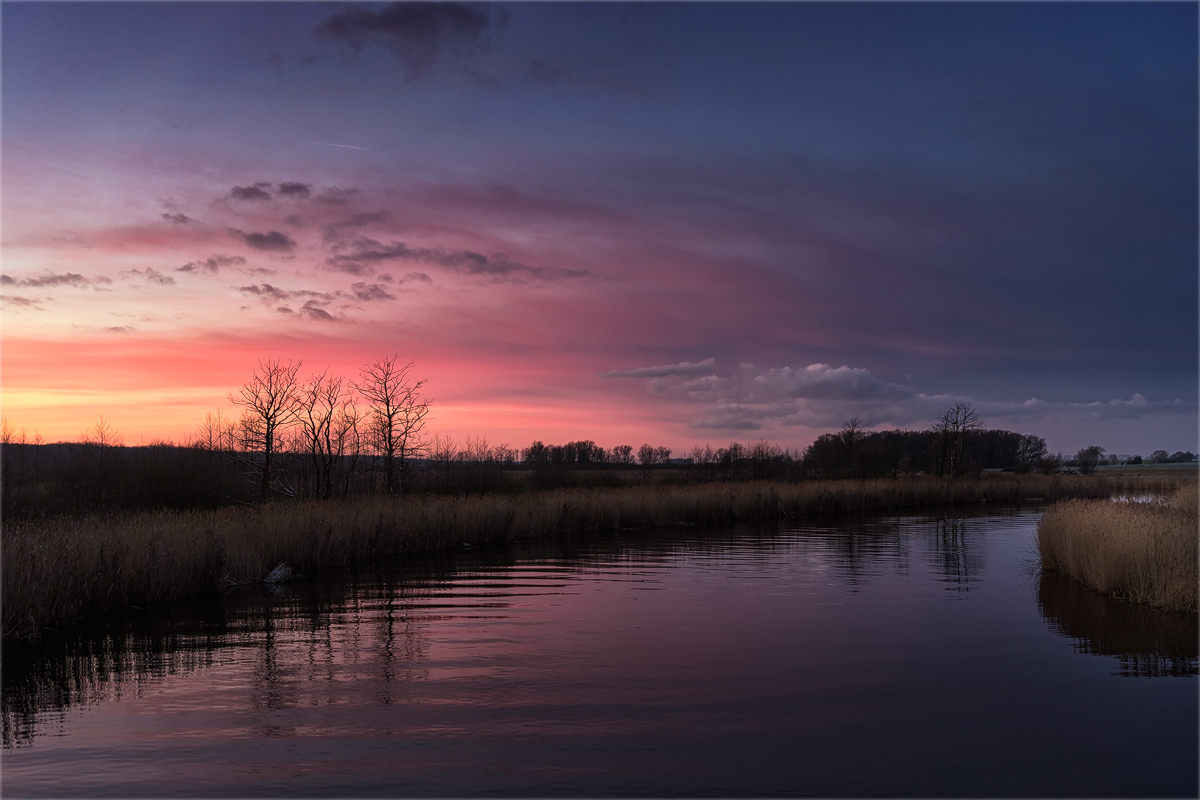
<point>854,453</point>
<point>1088,458</point>
<point>324,436</point>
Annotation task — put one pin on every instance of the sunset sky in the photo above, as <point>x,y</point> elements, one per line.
<point>669,223</point>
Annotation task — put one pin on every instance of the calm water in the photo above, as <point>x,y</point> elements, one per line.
<point>886,656</point>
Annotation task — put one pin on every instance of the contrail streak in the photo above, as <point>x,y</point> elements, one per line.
<point>327,144</point>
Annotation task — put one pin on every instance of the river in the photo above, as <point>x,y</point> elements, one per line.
<point>869,656</point>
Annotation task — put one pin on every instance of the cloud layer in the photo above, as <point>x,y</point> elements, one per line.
<point>820,396</point>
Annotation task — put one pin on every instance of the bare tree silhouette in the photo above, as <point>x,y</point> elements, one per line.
<point>216,434</point>
<point>270,403</point>
<point>953,427</point>
<point>98,442</point>
<point>324,408</point>
<point>395,414</point>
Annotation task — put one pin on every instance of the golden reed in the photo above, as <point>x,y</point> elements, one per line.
<point>62,568</point>
<point>1144,552</point>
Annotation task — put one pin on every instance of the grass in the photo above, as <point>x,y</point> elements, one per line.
<point>1145,552</point>
<point>59,569</point>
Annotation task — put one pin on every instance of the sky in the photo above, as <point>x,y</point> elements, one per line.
<point>671,223</point>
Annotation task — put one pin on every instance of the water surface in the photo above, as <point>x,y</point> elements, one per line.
<point>867,657</point>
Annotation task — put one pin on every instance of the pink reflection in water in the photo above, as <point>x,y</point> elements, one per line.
<point>896,656</point>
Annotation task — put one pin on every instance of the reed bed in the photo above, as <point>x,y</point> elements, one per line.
<point>1141,551</point>
<point>61,568</point>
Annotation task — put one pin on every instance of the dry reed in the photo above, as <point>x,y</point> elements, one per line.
<point>1145,552</point>
<point>61,568</point>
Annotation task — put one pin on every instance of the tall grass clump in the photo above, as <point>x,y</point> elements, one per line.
<point>1145,552</point>
<point>60,568</point>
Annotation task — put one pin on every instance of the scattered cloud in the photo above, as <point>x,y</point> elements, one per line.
<point>294,189</point>
<point>334,231</point>
<point>370,291</point>
<point>258,192</point>
<point>361,292</point>
<point>149,275</point>
<point>418,277</point>
<point>17,300</point>
<point>266,291</point>
<point>363,253</point>
<point>335,196</point>
<point>272,241</point>
<point>816,396</point>
<point>418,35</point>
<point>274,293</point>
<point>1135,407</point>
<point>154,276</point>
<point>211,265</point>
<point>119,329</point>
<point>313,310</point>
<point>730,419</point>
<point>178,219</point>
<point>705,367</point>
<point>52,279</point>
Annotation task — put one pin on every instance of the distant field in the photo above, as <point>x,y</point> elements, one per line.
<point>1148,467</point>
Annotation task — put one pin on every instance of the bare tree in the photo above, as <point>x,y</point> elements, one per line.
<point>329,421</point>
<point>270,405</point>
<point>347,439</point>
<point>953,428</point>
<point>216,434</point>
<point>20,455</point>
<point>853,431</point>
<point>395,415</point>
<point>98,442</point>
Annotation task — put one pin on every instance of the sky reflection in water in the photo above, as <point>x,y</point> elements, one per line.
<point>886,656</point>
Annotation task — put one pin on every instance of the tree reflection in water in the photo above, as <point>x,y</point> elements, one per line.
<point>957,553</point>
<point>1146,643</point>
<point>126,654</point>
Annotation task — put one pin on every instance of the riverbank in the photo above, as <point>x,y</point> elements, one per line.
<point>1145,552</point>
<point>59,569</point>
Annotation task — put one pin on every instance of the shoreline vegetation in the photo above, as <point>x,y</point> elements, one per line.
<point>1144,552</point>
<point>62,568</point>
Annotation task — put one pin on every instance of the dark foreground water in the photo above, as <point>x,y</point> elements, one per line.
<point>880,657</point>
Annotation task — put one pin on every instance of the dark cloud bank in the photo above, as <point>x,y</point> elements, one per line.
<point>418,35</point>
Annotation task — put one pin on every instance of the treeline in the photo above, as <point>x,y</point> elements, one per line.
<point>326,436</point>
<point>209,471</point>
<point>855,454</point>
<point>1157,457</point>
